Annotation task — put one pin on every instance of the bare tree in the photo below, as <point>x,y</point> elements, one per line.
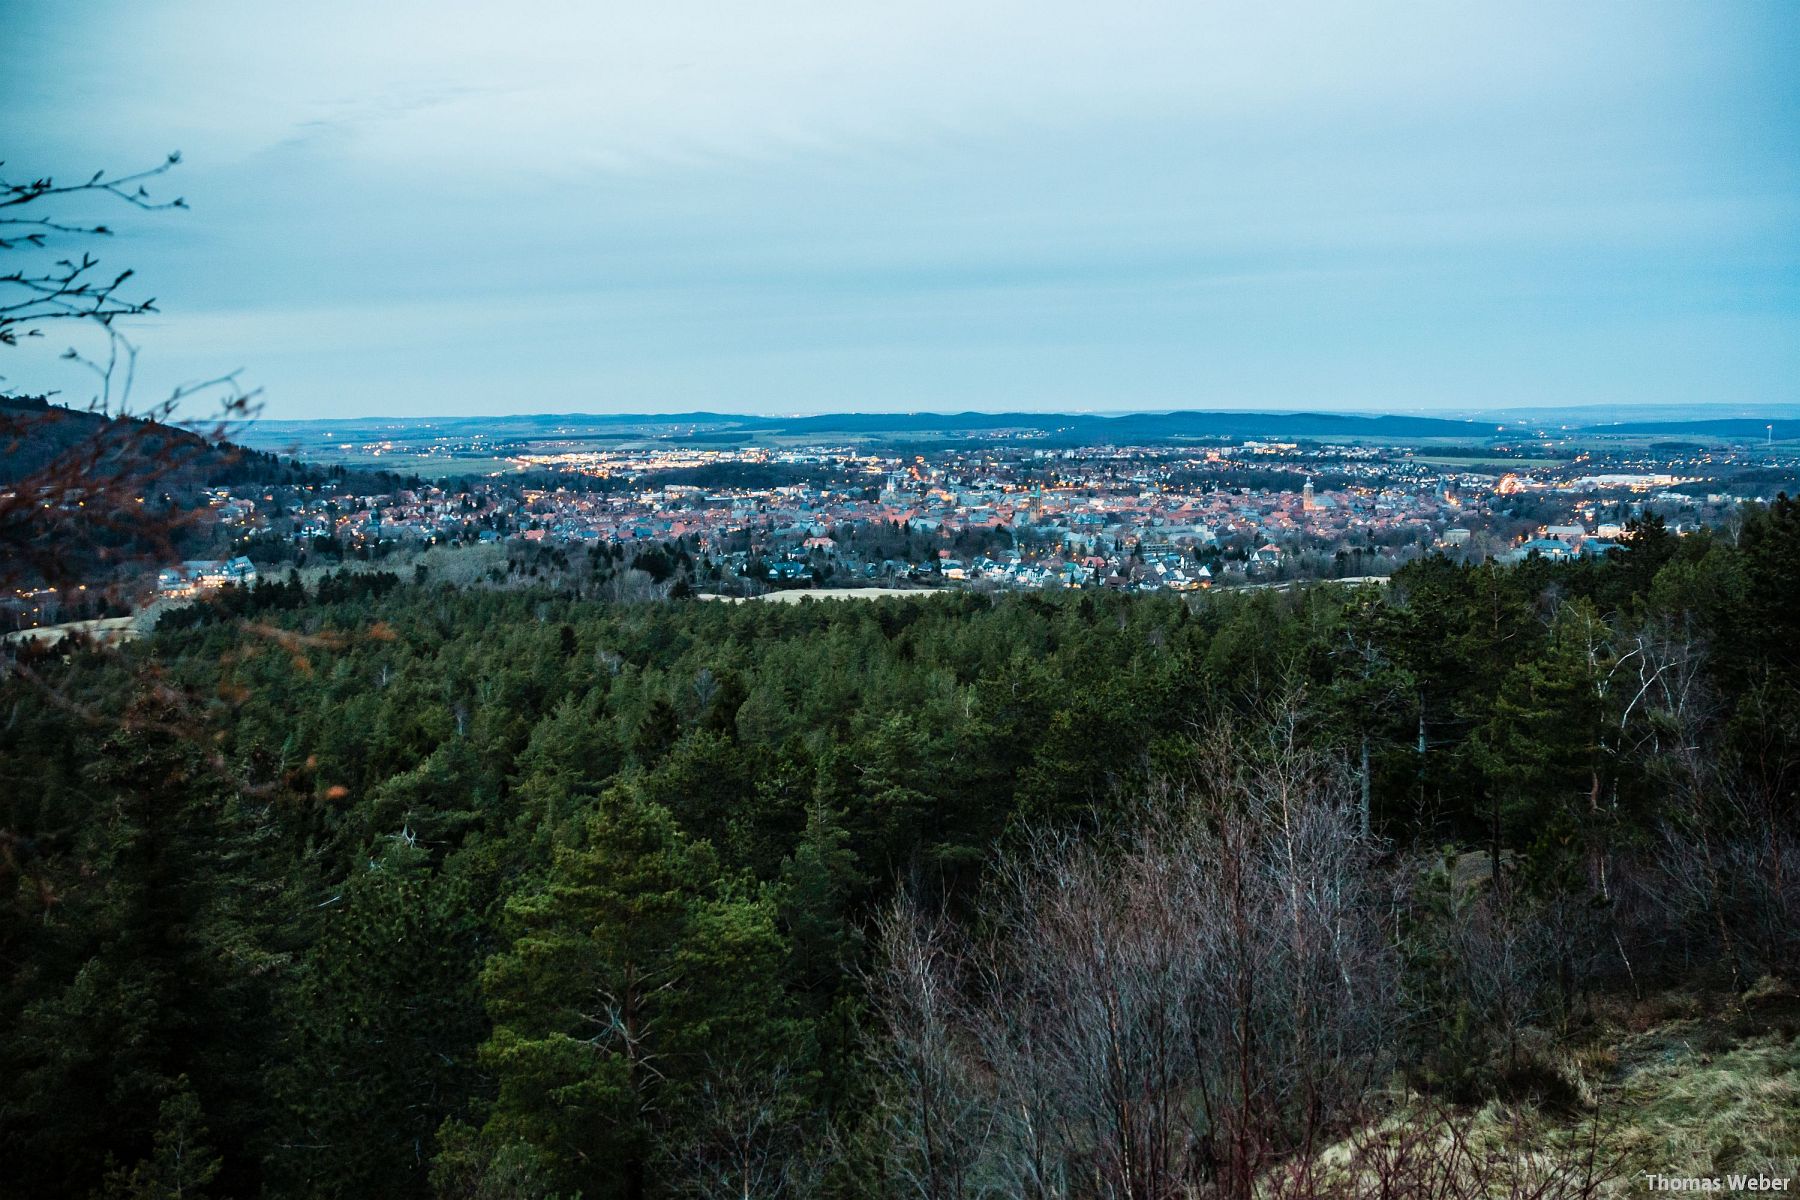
<point>1167,1009</point>
<point>88,499</point>
<point>1719,884</point>
<point>749,1138</point>
<point>100,496</point>
<point>934,1117</point>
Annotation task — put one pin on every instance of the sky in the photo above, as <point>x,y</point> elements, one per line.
<point>830,205</point>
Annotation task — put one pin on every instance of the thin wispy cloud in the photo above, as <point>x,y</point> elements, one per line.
<point>452,208</point>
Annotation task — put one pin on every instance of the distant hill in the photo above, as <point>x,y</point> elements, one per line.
<point>1734,428</point>
<point>1061,428</point>
<point>1154,426</point>
<point>1131,427</point>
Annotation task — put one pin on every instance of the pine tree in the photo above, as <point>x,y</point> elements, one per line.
<point>386,1021</point>
<point>155,969</point>
<point>1541,749</point>
<point>629,973</point>
<point>181,1165</point>
<point>656,733</point>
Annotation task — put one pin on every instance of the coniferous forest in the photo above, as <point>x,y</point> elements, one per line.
<point>387,888</point>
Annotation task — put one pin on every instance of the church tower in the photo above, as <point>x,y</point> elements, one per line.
<point>1307,504</point>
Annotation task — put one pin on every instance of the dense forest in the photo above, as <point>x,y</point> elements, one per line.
<point>392,889</point>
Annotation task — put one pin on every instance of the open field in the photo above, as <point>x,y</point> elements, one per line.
<point>795,596</point>
<point>403,463</point>
<point>105,630</point>
<point>1289,584</point>
<point>1503,464</point>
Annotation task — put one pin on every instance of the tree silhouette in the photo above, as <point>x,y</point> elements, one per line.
<point>93,489</point>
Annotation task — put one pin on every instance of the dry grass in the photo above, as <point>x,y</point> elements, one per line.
<point>1679,1084</point>
<point>1696,1085</point>
<point>1693,1107</point>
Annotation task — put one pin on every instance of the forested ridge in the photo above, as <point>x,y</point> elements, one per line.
<point>39,433</point>
<point>393,889</point>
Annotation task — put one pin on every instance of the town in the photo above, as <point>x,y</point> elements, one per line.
<point>985,513</point>
<point>998,514</point>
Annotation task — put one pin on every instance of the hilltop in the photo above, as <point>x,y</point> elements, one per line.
<point>91,498</point>
<point>38,435</point>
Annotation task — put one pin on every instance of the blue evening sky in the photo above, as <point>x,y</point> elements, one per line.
<point>806,205</point>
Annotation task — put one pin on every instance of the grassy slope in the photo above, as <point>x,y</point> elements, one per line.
<point>1678,1085</point>
<point>1703,1088</point>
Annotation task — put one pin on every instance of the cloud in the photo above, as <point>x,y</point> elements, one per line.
<point>684,199</point>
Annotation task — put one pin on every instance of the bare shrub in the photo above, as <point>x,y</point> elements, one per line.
<point>935,1116</point>
<point>1169,1009</point>
<point>1719,885</point>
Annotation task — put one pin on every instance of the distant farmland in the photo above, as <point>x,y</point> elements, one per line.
<point>1506,464</point>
